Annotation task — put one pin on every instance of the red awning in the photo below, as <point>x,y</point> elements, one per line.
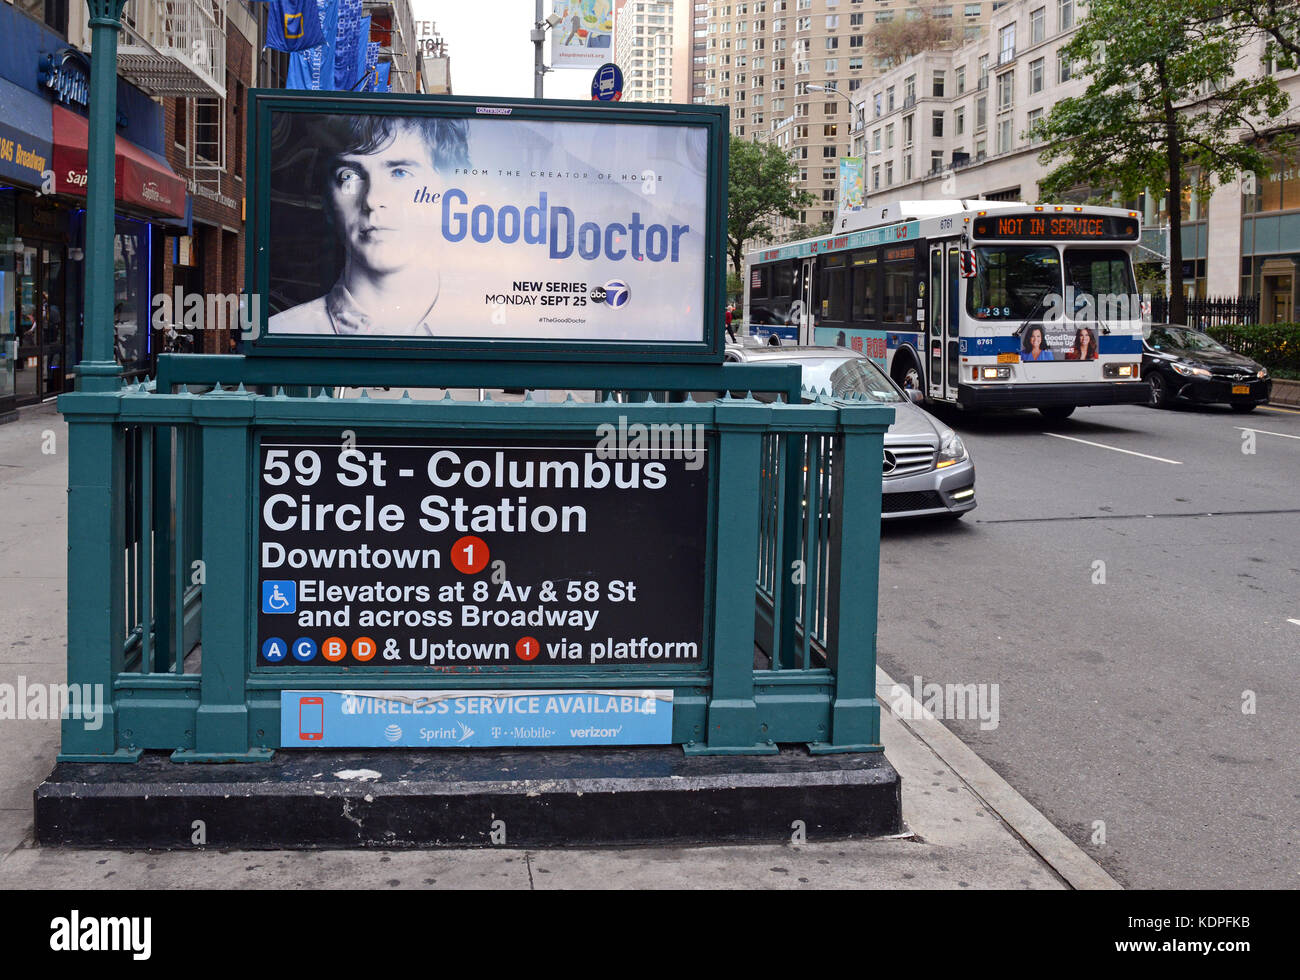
<point>141,181</point>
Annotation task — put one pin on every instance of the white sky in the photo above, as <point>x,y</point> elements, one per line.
<point>490,50</point>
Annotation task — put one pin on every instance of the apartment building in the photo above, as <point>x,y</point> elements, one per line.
<point>761,56</point>
<point>955,124</point>
<point>652,45</point>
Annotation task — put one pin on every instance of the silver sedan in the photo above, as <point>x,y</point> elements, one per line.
<point>927,471</point>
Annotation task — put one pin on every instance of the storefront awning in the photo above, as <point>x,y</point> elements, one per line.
<point>25,135</point>
<point>142,181</point>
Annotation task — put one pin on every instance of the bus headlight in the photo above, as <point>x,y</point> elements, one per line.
<point>995,373</point>
<point>1121,371</point>
<point>951,449</point>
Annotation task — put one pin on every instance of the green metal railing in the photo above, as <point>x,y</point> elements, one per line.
<point>162,604</point>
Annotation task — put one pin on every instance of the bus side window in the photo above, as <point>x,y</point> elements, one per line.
<point>865,286</point>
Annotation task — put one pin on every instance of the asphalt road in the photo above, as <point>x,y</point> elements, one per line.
<point>1120,710</point>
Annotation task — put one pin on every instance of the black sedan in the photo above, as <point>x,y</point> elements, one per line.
<point>1187,366</point>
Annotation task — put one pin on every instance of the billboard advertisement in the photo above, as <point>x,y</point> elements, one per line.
<point>487,225</point>
<point>584,36</point>
<point>853,184</point>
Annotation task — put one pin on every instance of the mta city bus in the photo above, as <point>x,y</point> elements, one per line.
<point>979,304</point>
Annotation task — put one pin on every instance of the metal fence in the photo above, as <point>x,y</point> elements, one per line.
<point>1213,311</point>
<point>162,569</point>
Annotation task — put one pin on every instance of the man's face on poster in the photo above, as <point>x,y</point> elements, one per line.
<point>373,194</point>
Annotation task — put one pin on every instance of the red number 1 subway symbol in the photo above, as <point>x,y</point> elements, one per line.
<point>527,648</point>
<point>469,555</point>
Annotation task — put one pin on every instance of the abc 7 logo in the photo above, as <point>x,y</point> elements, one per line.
<point>614,293</point>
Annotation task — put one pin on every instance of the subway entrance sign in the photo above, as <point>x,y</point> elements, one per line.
<point>461,554</point>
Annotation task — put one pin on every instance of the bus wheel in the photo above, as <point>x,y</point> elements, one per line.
<point>1056,413</point>
<point>910,378</point>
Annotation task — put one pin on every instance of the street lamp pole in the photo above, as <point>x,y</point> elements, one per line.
<point>538,35</point>
<point>98,369</point>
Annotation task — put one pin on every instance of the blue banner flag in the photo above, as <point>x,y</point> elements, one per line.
<point>359,79</point>
<point>345,50</point>
<point>293,25</point>
<point>313,69</point>
<point>382,84</point>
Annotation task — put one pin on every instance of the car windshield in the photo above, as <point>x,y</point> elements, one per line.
<point>851,376</point>
<point>1182,338</point>
<point>1013,282</point>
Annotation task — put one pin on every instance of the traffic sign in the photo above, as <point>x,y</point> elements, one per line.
<point>607,84</point>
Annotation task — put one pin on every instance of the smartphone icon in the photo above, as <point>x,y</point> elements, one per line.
<point>311,719</point>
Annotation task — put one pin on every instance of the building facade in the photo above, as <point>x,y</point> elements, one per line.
<point>956,124</point>
<point>45,63</point>
<point>652,47</point>
<point>761,56</point>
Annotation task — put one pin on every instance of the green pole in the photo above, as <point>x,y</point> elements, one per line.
<point>99,370</point>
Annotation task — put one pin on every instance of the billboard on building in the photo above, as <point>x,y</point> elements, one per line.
<point>584,36</point>
<point>457,222</point>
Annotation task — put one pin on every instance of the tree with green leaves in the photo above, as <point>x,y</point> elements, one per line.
<point>1278,21</point>
<point>1163,106</point>
<point>761,188</point>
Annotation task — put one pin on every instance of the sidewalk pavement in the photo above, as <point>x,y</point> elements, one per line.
<point>956,839</point>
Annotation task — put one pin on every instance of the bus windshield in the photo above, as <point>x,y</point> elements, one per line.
<point>1099,272</point>
<point>1013,282</point>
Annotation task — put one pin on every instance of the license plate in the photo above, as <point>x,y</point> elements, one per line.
<point>1008,358</point>
<point>1241,389</point>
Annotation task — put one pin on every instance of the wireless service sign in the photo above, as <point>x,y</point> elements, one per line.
<point>487,226</point>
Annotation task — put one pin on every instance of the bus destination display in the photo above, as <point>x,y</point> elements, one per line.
<point>462,554</point>
<point>1056,227</point>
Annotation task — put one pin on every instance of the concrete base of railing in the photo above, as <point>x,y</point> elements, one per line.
<point>483,798</point>
<point>1285,392</point>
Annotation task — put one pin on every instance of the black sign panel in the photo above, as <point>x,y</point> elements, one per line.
<point>465,554</point>
<point>1042,226</point>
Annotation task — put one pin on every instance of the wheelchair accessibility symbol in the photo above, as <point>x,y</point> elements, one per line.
<point>280,596</point>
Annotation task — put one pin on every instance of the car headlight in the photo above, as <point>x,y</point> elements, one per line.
<point>951,449</point>
<point>1263,373</point>
<point>1189,370</point>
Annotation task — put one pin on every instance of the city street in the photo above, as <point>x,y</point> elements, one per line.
<point>1122,684</point>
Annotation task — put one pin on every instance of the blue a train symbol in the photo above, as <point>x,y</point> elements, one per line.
<point>616,293</point>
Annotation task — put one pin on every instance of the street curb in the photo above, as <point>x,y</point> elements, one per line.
<point>1040,835</point>
<point>1285,392</point>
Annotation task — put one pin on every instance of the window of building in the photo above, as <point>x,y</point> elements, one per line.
<point>936,123</point>
<point>830,129</point>
<point>1064,14</point>
<point>907,166</point>
<point>984,71</point>
<point>875,178</point>
<point>981,113</point>
<point>889,137</point>
<point>1036,76</point>
<point>1037,25</point>
<point>889,173</point>
<point>1035,117</point>
<point>959,79</point>
<point>830,151</point>
<point>936,161</point>
<point>1064,69</point>
<point>959,121</point>
<point>936,85</point>
<point>907,130</point>
<point>889,99</point>
<point>1006,90</point>
<point>1004,143</point>
<point>1007,44</point>
<point>909,90</point>
<point>875,140</point>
